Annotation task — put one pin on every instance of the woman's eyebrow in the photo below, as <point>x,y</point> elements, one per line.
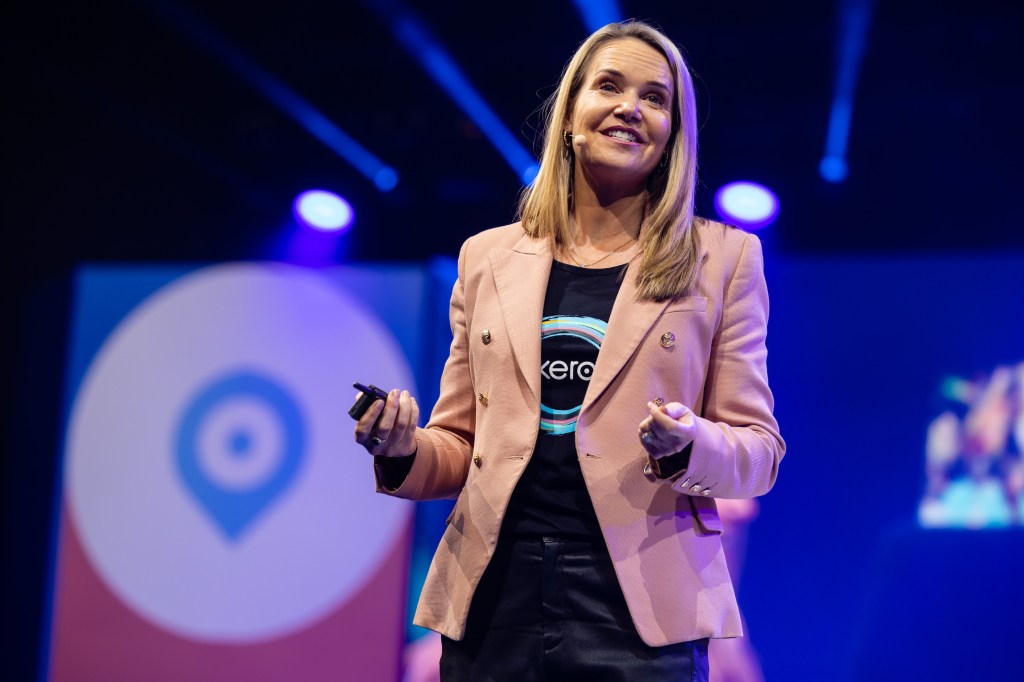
<point>618,74</point>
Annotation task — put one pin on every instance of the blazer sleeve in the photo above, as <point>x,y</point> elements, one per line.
<point>737,447</point>
<point>444,446</point>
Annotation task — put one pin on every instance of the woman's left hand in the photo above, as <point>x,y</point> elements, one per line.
<point>668,429</point>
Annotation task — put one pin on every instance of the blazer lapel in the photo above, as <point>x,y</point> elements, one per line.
<point>521,278</point>
<point>628,325</point>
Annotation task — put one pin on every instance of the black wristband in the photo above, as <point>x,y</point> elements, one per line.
<point>673,464</point>
<point>393,470</point>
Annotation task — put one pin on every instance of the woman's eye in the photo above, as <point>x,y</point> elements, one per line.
<point>656,100</point>
<point>607,87</point>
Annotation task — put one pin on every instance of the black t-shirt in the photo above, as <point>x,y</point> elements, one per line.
<point>551,498</point>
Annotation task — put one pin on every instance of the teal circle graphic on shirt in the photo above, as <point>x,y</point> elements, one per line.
<point>556,422</point>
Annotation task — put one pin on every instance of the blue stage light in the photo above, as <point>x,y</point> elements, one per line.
<point>386,178</point>
<point>412,34</point>
<point>747,204</point>
<point>833,168</point>
<point>279,93</point>
<point>322,210</point>
<point>854,22</point>
<point>598,13</point>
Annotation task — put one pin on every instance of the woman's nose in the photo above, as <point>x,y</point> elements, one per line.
<point>629,107</point>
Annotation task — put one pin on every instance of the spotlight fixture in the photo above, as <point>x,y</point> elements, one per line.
<point>324,211</point>
<point>747,204</point>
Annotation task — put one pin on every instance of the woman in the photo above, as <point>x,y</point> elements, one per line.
<point>606,383</point>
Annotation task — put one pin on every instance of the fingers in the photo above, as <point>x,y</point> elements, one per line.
<point>386,422</point>
<point>401,440</point>
<point>660,420</point>
<point>364,427</point>
<point>388,428</point>
<point>675,410</point>
<point>667,429</point>
<point>403,433</point>
<point>670,417</point>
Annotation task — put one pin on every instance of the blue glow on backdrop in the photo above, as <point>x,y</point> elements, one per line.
<point>322,210</point>
<point>747,204</point>
<point>854,20</point>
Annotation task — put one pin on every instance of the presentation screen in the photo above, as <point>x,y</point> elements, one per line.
<point>217,520</point>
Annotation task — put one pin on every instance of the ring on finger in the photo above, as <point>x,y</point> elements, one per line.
<point>647,437</point>
<point>377,440</point>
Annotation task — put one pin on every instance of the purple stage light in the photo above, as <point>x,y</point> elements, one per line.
<point>747,204</point>
<point>322,210</point>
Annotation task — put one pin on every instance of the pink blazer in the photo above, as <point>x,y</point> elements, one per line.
<point>706,351</point>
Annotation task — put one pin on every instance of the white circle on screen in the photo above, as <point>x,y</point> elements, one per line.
<point>210,468</point>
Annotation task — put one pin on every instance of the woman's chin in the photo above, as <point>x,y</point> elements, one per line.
<point>615,176</point>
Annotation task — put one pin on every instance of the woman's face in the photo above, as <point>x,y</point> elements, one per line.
<point>624,108</point>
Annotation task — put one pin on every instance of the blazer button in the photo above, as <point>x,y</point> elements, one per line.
<point>668,339</point>
<point>485,336</point>
<point>649,473</point>
<point>477,459</point>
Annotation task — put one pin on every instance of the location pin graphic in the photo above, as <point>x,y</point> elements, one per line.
<point>234,504</point>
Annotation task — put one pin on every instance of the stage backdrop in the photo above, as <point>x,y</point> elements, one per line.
<point>216,519</point>
<point>842,583</point>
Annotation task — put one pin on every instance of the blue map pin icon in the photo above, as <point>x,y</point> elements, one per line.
<point>232,510</point>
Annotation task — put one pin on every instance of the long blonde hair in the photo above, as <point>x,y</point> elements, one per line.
<point>670,245</point>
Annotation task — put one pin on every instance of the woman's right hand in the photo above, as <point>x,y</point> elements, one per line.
<point>388,428</point>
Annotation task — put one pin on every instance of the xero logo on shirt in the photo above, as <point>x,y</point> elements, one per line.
<point>560,369</point>
<point>561,336</point>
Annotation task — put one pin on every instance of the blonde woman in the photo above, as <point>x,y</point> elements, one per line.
<point>607,382</point>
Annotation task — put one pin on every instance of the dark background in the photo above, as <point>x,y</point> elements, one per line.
<point>125,141</point>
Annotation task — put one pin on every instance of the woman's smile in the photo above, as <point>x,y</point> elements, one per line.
<point>624,134</point>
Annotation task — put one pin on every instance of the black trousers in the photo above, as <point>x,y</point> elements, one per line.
<point>553,610</point>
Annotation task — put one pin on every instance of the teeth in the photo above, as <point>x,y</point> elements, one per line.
<point>623,135</point>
